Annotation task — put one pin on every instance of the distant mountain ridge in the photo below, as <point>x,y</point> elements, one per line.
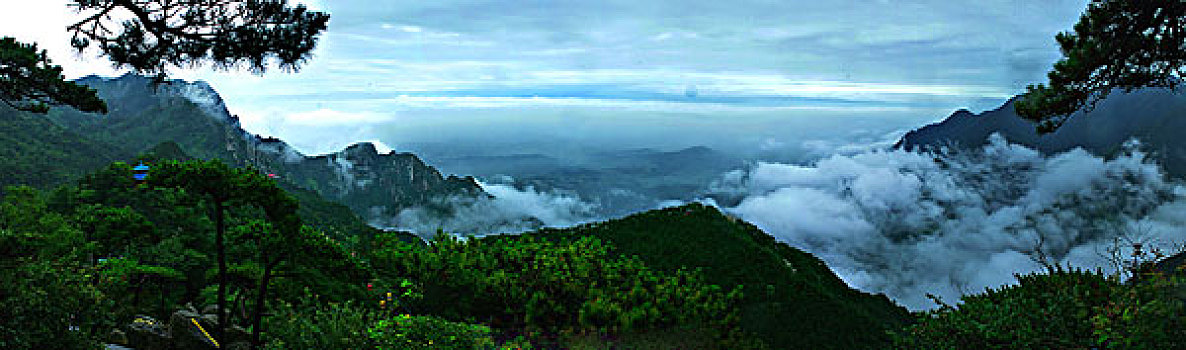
<point>195,117</point>
<point>620,182</point>
<point>1154,116</point>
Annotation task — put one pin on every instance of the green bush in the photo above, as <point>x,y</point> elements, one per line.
<point>1059,309</point>
<point>309,324</point>
<point>1051,310</point>
<point>406,332</point>
<point>47,296</point>
<point>1147,315</point>
<point>48,306</point>
<point>542,289</point>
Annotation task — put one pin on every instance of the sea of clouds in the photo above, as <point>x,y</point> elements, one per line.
<point>947,222</point>
<point>955,221</point>
<point>509,209</point>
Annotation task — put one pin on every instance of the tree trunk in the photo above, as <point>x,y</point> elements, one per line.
<point>218,244</point>
<point>161,289</point>
<point>257,320</point>
<point>136,295</point>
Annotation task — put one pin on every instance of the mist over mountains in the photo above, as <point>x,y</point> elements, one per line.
<point>910,223</point>
<point>192,116</point>
<point>982,200</point>
<point>1152,115</point>
<point>893,218</point>
<point>897,221</point>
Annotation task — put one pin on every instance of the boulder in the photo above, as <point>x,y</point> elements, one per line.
<point>187,335</point>
<point>147,333</point>
<point>191,331</point>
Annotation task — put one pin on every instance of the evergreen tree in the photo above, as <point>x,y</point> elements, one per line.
<point>149,36</point>
<point>224,33</point>
<point>225,187</point>
<point>29,82</point>
<point>1116,44</point>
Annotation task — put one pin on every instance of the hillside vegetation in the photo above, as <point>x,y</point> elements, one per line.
<point>792,300</point>
<point>107,260</point>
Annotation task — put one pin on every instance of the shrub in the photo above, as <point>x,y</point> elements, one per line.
<point>1147,315</point>
<point>543,288</point>
<point>1052,310</point>
<point>406,331</point>
<point>310,324</point>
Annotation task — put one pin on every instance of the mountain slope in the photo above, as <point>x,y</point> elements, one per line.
<point>333,218</point>
<point>620,182</point>
<point>1154,116</point>
<point>377,185</point>
<point>792,300</point>
<point>194,117</point>
<point>35,151</point>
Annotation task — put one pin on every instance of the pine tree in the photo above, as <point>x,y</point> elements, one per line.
<point>150,36</point>
<point>29,82</point>
<point>1124,44</point>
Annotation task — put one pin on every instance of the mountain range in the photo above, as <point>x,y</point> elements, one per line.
<point>792,299</point>
<point>1153,116</point>
<point>51,149</point>
<point>618,181</point>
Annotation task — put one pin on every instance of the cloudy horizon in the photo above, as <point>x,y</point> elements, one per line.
<point>405,72</point>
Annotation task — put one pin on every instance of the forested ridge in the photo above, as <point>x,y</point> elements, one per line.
<point>104,242</point>
<point>105,259</point>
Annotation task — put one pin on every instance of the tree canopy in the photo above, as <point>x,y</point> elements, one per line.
<point>1124,44</point>
<point>149,36</point>
<point>29,82</point>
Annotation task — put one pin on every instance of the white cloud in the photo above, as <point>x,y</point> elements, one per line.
<point>907,224</point>
<point>511,210</point>
<point>675,35</point>
<point>327,117</point>
<point>318,131</point>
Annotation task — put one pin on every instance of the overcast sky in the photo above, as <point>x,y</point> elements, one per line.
<point>657,72</point>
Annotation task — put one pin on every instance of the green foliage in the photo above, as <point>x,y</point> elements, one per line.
<point>406,332</point>
<point>1060,309</point>
<point>1051,310</point>
<point>116,230</point>
<point>34,231</point>
<point>29,82</point>
<point>1116,44</point>
<point>313,324</point>
<point>36,152</point>
<point>48,305</point>
<point>48,300</point>
<point>792,299</point>
<point>326,266</point>
<point>307,323</point>
<point>156,247</point>
<point>1148,315</point>
<point>542,288</point>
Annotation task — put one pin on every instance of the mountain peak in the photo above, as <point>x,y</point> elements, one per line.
<point>696,150</point>
<point>362,148</point>
<point>1149,114</point>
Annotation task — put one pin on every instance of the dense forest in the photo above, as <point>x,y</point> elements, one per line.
<point>109,259</point>
<point>167,251</point>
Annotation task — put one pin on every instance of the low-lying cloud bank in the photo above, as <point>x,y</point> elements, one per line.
<point>509,210</point>
<point>902,223</point>
<point>957,221</point>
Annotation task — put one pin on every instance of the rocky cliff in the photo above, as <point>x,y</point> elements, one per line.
<point>194,116</point>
